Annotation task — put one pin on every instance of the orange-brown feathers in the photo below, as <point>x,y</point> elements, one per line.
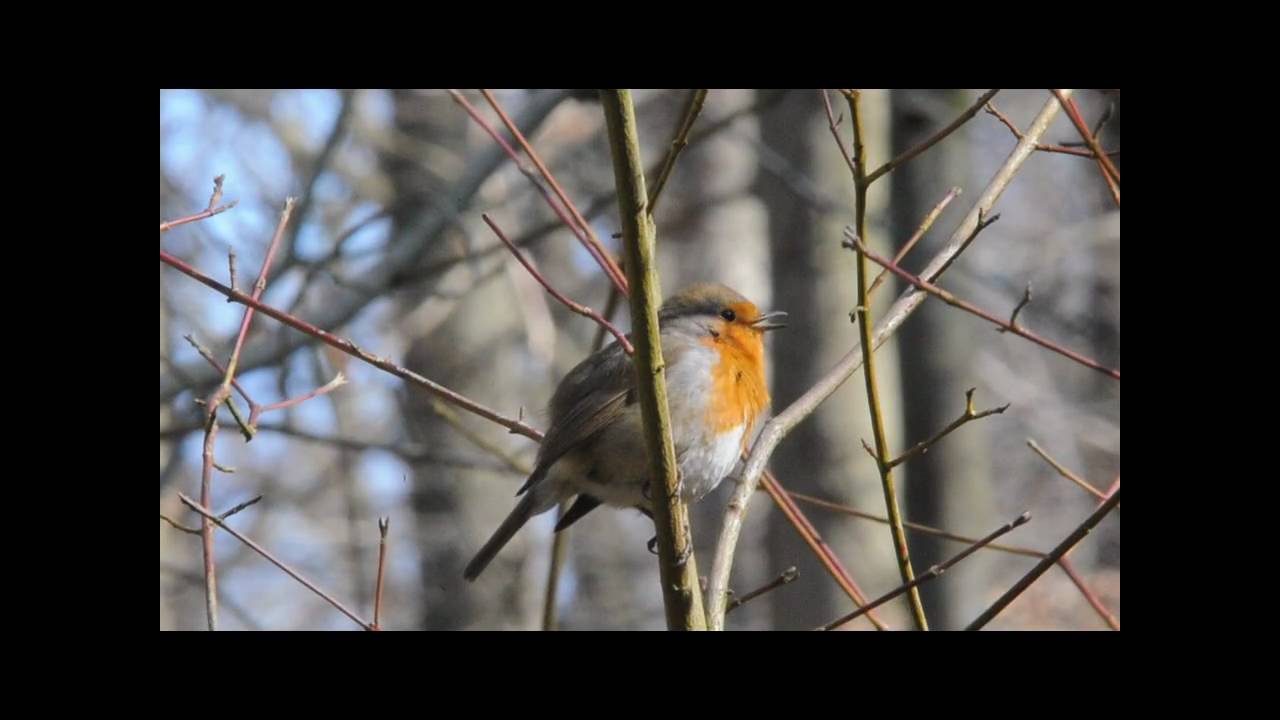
<point>739,391</point>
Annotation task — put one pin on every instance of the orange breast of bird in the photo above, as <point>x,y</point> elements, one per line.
<point>739,393</point>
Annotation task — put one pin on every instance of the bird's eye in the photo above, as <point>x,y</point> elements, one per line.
<point>728,314</point>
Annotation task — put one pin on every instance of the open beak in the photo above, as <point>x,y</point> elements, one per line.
<point>771,321</point>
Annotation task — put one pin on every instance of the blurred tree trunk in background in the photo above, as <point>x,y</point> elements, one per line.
<point>815,281</point>
<point>949,485</point>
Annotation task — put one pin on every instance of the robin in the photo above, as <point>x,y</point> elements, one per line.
<point>713,346</point>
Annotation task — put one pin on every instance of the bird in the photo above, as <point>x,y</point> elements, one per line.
<point>713,352</point>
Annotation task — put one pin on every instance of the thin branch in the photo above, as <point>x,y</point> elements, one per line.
<point>216,196</point>
<point>1013,319</point>
<point>933,139</point>
<point>1073,112</point>
<point>202,215</point>
<point>918,527</point>
<point>932,572</point>
<point>696,99</point>
<point>222,394</point>
<point>785,421</point>
<point>853,242</point>
<point>1062,149</point>
<point>787,577</point>
<point>210,517</point>
<point>578,227</point>
<point>814,540</point>
<point>1089,596</point>
<point>919,233</point>
<point>246,428</point>
<point>578,308</point>
<point>969,415</point>
<point>231,268</point>
<point>600,253</point>
<point>178,526</point>
<point>834,123</point>
<point>350,348</point>
<point>223,516</point>
<point>861,181</point>
<point>1108,169</point>
<point>384,524</point>
<point>338,381</point>
<point>1063,547</point>
<point>1111,620</point>
<point>677,566</point>
<point>1064,472</point>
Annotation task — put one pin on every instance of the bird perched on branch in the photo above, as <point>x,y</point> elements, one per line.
<point>713,348</point>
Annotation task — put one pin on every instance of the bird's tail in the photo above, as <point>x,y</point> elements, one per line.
<point>525,509</point>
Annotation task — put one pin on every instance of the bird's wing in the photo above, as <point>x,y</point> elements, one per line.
<point>588,400</point>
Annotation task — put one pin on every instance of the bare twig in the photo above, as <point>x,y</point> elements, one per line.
<point>217,192</point>
<point>1108,169</point>
<point>932,572</point>
<point>350,348</point>
<point>384,524</point>
<point>861,181</point>
<point>786,420</point>
<point>338,381</point>
<point>231,268</point>
<point>969,415</point>
<point>1062,149</point>
<point>834,123</point>
<point>1111,620</point>
<point>678,568</point>
<point>696,99</point>
<point>600,253</point>
<point>1064,472</point>
<point>1089,596</point>
<point>814,540</point>
<point>202,215</point>
<point>853,242</point>
<point>1063,547</point>
<point>240,507</point>
<point>918,527</point>
<point>919,233</point>
<point>178,526</point>
<point>787,577</point>
<point>210,517</point>
<point>1073,112</point>
<point>1013,319</point>
<point>222,394</point>
<point>578,308</point>
<point>933,139</point>
<point>563,209</point>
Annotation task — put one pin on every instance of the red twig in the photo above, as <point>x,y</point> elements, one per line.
<point>338,381</point>
<point>834,123</point>
<point>1061,149</point>
<point>1108,168</point>
<point>853,242</point>
<point>209,517</point>
<point>220,395</point>
<point>1111,620</point>
<point>819,546</point>
<point>1063,547</point>
<point>352,349</point>
<point>202,215</point>
<point>578,308</point>
<point>560,209</point>
<point>919,233</point>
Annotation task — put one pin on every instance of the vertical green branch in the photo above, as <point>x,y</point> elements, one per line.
<point>863,311</point>
<point>681,594</point>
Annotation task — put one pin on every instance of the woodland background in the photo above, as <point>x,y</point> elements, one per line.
<point>758,201</point>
